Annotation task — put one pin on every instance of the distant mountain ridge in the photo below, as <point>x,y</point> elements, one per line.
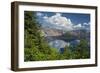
<point>59,38</point>
<point>78,34</point>
<point>52,32</point>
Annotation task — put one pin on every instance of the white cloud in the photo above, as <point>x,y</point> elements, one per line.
<point>45,17</point>
<point>39,14</point>
<point>86,24</point>
<point>59,20</point>
<point>78,26</point>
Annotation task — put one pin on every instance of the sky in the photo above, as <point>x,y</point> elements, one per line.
<point>66,21</point>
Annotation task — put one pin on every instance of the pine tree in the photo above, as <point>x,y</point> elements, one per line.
<point>82,50</point>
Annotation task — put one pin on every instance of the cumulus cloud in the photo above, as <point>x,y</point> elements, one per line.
<point>45,17</point>
<point>60,22</point>
<point>39,14</point>
<point>58,19</point>
<point>78,26</point>
<point>86,24</point>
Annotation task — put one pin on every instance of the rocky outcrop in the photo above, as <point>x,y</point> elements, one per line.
<point>52,32</point>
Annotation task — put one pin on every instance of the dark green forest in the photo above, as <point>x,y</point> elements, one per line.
<point>36,47</point>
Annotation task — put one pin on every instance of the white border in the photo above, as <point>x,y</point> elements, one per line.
<point>23,64</point>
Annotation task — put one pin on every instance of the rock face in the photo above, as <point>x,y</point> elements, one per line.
<point>52,32</point>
